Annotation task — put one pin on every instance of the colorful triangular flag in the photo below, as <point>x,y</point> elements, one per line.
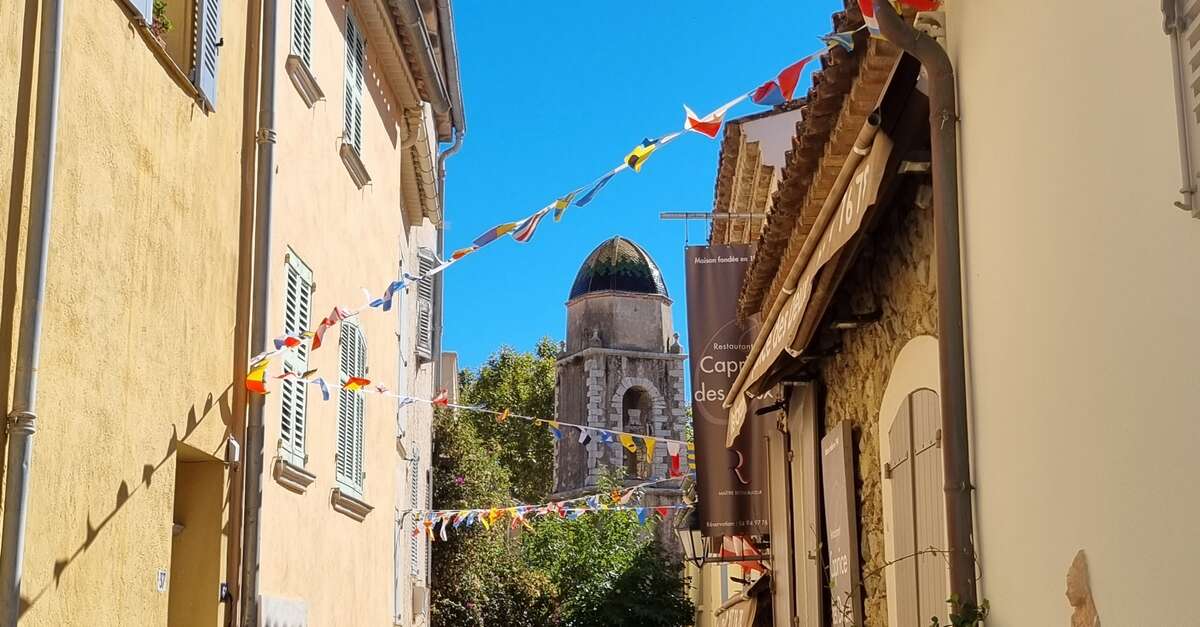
<point>709,125</point>
<point>560,205</point>
<point>845,40</point>
<point>627,442</point>
<point>525,228</point>
<point>442,399</point>
<point>649,444</point>
<point>355,384</point>
<point>590,194</point>
<point>255,378</point>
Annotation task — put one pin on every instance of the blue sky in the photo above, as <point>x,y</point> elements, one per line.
<point>559,92</point>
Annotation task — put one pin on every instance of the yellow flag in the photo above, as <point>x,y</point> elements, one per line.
<point>627,442</point>
<point>649,442</point>
<point>503,416</point>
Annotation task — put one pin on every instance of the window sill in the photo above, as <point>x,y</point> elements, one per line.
<point>349,505</point>
<point>159,50</point>
<point>292,477</point>
<point>304,81</point>
<point>354,164</point>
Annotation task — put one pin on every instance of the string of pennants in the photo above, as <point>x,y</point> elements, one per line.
<point>435,523</point>
<point>257,380</point>
<point>773,92</point>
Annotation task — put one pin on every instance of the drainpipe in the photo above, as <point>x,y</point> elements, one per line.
<point>450,60</point>
<point>22,421</point>
<point>264,197</point>
<point>943,135</point>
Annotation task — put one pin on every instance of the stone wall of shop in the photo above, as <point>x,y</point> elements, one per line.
<point>896,270</point>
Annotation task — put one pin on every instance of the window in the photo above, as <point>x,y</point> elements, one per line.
<point>414,504</point>
<point>1181,24</point>
<point>353,356</point>
<point>918,513</point>
<point>189,33</point>
<point>297,309</point>
<point>355,65</point>
<point>299,62</point>
<point>635,418</point>
<point>302,15</point>
<point>426,262</point>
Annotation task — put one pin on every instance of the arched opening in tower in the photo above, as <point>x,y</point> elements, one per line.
<point>636,418</point>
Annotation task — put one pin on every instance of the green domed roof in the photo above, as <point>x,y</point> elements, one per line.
<point>618,265</point>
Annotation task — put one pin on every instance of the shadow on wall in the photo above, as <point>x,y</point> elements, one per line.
<point>124,492</point>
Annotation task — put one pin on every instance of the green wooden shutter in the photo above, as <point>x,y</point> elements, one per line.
<point>355,71</point>
<point>208,45</point>
<point>349,462</point>
<point>297,311</point>
<point>302,16</point>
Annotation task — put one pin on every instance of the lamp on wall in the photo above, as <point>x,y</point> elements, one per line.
<point>695,545</point>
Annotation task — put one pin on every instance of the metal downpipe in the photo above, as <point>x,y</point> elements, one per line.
<point>23,418</point>
<point>264,196</point>
<point>943,135</point>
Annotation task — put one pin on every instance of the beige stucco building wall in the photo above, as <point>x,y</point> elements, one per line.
<point>1082,308</point>
<point>351,238</point>
<point>137,349</point>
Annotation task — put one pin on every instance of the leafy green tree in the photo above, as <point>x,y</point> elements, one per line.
<point>523,383</point>
<point>603,569</point>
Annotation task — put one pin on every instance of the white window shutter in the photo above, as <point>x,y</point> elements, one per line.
<point>349,464</point>
<point>929,507</point>
<point>145,8</point>
<point>208,44</point>
<point>297,311</point>
<point>1181,20</point>
<point>302,17</point>
<point>427,261</point>
<point>900,438</point>
<point>356,60</point>
<point>414,501</point>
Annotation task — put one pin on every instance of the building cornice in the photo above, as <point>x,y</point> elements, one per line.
<point>618,352</point>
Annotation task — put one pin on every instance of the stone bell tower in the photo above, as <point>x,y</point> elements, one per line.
<point>621,368</point>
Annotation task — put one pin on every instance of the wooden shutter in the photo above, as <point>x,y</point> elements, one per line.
<point>930,509</point>
<point>145,8</point>
<point>302,15</point>
<point>918,511</point>
<point>352,354</point>
<point>297,311</point>
<point>1180,20</point>
<point>355,65</point>
<point>208,45</point>
<point>414,502</point>
<point>427,262</point>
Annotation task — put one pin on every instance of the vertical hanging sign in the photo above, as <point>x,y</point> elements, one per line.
<point>730,481</point>
<point>841,529</point>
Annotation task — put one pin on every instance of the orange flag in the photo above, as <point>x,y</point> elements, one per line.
<point>255,378</point>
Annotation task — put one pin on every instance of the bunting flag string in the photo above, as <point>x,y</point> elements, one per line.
<point>256,382</point>
<point>775,91</point>
<point>435,523</point>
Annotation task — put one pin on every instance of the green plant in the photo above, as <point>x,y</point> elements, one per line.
<point>162,24</point>
<point>964,614</point>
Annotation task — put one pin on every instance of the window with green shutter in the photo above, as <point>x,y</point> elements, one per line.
<point>302,29</point>
<point>427,261</point>
<point>349,456</point>
<point>414,504</point>
<point>297,311</point>
<point>356,61</point>
<point>208,48</point>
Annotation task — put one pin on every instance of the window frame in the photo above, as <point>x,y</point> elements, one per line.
<point>295,360</point>
<point>353,484</point>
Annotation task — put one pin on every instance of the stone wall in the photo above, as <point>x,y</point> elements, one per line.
<point>895,269</point>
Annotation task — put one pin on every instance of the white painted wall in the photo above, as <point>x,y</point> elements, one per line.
<point>1083,298</point>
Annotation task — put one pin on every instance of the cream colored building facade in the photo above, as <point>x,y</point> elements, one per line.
<point>135,488</point>
<point>354,208</point>
<point>1078,275</point>
<point>136,389</point>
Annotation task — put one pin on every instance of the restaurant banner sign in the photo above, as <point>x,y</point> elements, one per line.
<point>860,195</point>
<point>731,482</point>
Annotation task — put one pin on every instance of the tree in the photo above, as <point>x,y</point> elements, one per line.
<point>601,569</point>
<point>524,384</point>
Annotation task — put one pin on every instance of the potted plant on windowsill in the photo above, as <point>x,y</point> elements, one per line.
<point>162,24</point>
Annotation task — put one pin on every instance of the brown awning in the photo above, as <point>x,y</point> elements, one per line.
<point>793,329</point>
